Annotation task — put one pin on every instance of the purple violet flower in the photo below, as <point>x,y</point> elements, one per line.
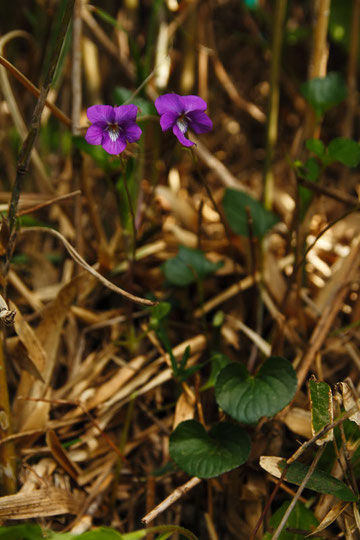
<point>182,113</point>
<point>112,127</point>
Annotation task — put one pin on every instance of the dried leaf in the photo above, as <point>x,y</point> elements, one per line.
<point>40,503</point>
<point>349,402</point>
<point>30,341</point>
<point>185,409</point>
<point>330,517</point>
<point>299,421</point>
<point>61,456</point>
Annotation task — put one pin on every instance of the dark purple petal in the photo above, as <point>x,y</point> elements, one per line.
<point>168,120</point>
<point>125,114</point>
<point>131,132</point>
<point>114,147</point>
<point>181,137</point>
<point>101,114</point>
<point>169,103</point>
<point>199,121</point>
<point>94,134</point>
<point>193,103</point>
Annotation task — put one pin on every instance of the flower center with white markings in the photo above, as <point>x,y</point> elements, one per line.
<point>113,131</point>
<point>182,123</point>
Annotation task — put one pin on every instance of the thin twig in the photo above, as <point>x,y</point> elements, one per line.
<point>335,194</point>
<point>50,202</point>
<point>298,494</point>
<point>77,258</point>
<point>34,91</point>
<point>171,499</point>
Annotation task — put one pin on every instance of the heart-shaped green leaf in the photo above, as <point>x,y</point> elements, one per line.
<point>225,447</point>
<point>346,151</point>
<point>188,266</point>
<point>316,146</point>
<point>122,95</point>
<point>301,518</point>
<point>237,204</point>
<point>247,398</point>
<point>324,92</point>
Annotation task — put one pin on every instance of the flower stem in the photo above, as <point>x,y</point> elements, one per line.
<point>132,213</point>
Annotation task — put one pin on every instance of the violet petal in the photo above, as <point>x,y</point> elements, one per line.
<point>131,132</point>
<point>94,134</point>
<point>168,120</point>
<point>193,103</point>
<point>101,113</point>
<point>125,114</point>
<point>169,103</point>
<point>181,137</point>
<point>114,147</point>
<point>199,122</point>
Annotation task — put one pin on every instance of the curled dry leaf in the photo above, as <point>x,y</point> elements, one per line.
<point>185,409</point>
<point>330,517</point>
<point>349,402</point>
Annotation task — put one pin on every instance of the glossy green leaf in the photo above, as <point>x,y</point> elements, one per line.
<point>316,146</point>
<point>236,202</point>
<point>346,151</point>
<point>165,530</point>
<point>208,454</point>
<point>324,92</point>
<point>247,398</point>
<point>321,408</point>
<point>301,519</point>
<point>102,533</point>
<point>320,481</point>
<point>26,531</point>
<point>188,266</point>
<point>122,95</point>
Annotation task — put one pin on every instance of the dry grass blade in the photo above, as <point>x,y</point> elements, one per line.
<point>61,456</point>
<point>34,90</point>
<point>40,503</point>
<point>349,271</point>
